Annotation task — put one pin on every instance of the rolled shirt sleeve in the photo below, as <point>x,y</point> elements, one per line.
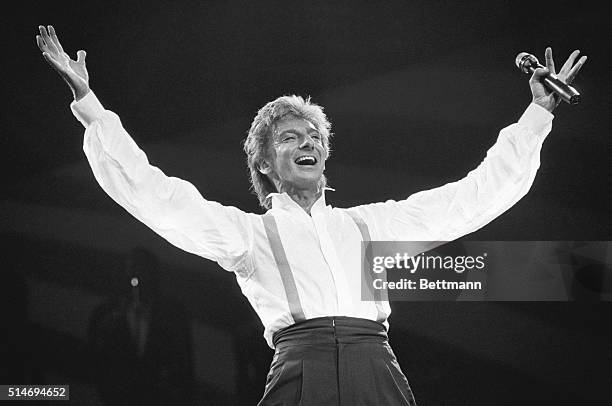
<point>448,212</point>
<point>170,206</point>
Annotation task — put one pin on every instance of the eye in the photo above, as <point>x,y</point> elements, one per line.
<point>316,136</point>
<point>289,138</point>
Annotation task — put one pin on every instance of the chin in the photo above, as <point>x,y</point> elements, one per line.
<point>308,182</point>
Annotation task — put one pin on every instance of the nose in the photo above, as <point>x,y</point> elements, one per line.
<point>307,143</point>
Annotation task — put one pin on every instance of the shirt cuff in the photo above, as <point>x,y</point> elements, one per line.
<point>536,118</point>
<point>88,109</point>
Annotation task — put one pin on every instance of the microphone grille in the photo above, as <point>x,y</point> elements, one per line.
<point>525,60</point>
<point>519,58</point>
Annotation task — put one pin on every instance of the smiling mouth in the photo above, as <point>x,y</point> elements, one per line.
<point>306,160</point>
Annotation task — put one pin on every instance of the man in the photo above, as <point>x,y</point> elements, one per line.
<point>299,264</point>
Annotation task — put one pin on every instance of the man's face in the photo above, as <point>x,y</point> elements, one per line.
<point>296,157</point>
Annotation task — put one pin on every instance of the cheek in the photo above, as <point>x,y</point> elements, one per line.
<point>282,160</point>
<point>285,166</point>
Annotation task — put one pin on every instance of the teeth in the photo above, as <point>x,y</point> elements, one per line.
<point>306,159</point>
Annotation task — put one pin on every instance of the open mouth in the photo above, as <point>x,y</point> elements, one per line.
<point>308,160</point>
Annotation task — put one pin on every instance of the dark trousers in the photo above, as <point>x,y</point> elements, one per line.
<point>339,361</point>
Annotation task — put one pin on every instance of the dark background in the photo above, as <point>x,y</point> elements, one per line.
<point>416,91</point>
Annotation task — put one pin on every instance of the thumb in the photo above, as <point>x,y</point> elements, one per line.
<point>81,56</point>
<point>539,73</point>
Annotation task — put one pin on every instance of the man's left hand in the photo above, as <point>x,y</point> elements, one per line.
<point>543,96</point>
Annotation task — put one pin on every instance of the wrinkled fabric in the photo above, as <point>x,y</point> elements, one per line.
<point>335,361</point>
<point>323,249</point>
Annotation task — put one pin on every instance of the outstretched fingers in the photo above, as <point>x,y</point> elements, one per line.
<point>51,48</point>
<point>574,71</point>
<point>41,44</point>
<point>569,70</point>
<point>550,63</point>
<point>570,62</point>
<point>54,39</point>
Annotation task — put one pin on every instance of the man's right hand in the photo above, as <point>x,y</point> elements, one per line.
<point>73,72</point>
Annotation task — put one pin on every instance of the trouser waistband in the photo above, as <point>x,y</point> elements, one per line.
<point>330,330</point>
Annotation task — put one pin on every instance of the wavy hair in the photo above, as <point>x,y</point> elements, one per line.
<point>259,136</point>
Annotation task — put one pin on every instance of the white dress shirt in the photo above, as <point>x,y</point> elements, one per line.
<point>323,249</point>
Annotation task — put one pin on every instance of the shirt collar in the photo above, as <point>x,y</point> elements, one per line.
<point>283,200</point>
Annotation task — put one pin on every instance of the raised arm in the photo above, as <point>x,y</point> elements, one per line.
<point>171,207</point>
<point>502,178</point>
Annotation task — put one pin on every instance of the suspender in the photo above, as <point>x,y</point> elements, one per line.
<point>295,306</point>
<point>365,274</point>
<point>283,266</point>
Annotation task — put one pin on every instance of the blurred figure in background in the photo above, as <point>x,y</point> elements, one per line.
<point>142,341</point>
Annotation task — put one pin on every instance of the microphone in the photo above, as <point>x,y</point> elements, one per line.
<point>528,63</point>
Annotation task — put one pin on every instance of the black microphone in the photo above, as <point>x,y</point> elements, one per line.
<point>528,63</point>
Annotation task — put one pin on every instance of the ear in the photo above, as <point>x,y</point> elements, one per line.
<point>265,168</point>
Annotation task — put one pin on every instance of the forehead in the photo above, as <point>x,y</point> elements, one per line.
<point>292,123</point>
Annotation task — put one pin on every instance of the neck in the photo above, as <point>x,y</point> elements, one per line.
<point>305,198</point>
